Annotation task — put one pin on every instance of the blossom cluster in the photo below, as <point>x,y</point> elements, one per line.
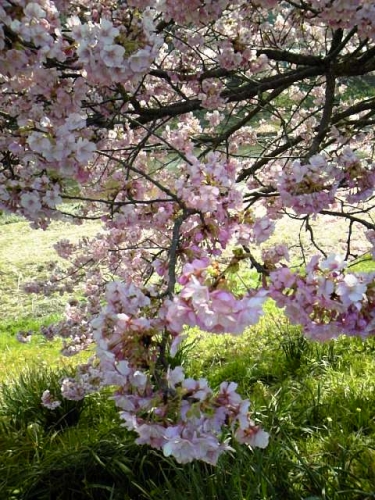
<point>168,411</point>
<point>36,200</point>
<point>273,255</point>
<point>104,57</point>
<point>309,188</point>
<point>213,310</point>
<point>325,300</point>
<point>346,14</point>
<point>358,175</point>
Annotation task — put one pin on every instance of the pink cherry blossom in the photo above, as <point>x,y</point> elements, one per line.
<point>31,202</point>
<point>49,401</point>
<point>351,289</point>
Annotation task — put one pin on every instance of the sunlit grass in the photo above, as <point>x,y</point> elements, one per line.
<point>25,255</point>
<point>15,356</point>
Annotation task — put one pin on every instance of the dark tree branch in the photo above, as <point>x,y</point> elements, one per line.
<point>350,217</point>
<point>327,113</point>
<point>173,252</point>
<point>292,57</point>
<point>312,237</point>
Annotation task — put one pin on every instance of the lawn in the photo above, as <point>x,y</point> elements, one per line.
<point>25,255</point>
<point>317,401</point>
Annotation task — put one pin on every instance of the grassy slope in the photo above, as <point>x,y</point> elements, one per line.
<point>24,256</point>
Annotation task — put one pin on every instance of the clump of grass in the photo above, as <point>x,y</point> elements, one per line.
<point>76,451</point>
<point>88,464</point>
<point>21,405</point>
<point>8,218</point>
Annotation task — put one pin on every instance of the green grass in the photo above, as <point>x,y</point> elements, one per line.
<point>25,255</point>
<point>15,356</point>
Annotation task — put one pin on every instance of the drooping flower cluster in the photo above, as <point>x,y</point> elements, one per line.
<point>325,300</point>
<point>179,415</point>
<point>213,310</point>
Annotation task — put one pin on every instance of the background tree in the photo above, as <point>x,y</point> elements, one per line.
<point>189,131</point>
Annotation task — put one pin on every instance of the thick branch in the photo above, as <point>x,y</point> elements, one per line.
<point>292,57</point>
<point>326,116</point>
<point>173,253</point>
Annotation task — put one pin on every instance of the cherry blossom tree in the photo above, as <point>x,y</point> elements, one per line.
<point>189,129</point>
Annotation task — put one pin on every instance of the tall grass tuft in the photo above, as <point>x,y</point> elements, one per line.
<point>21,404</point>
